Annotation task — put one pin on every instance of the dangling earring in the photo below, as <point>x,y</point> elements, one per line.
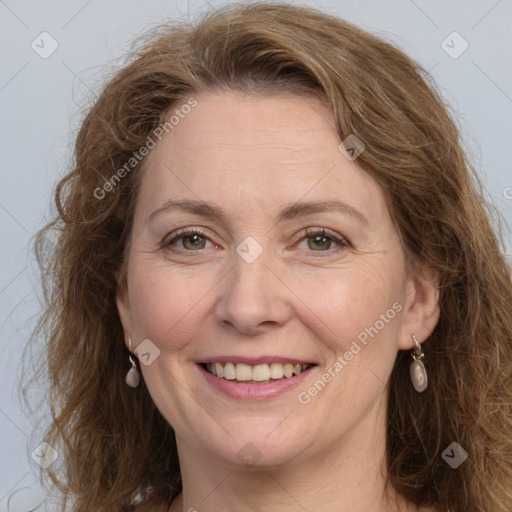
<point>133,375</point>
<point>418,371</point>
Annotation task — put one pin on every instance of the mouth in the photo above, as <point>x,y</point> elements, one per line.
<point>264,373</point>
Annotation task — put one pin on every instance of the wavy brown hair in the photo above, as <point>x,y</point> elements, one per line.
<point>116,449</point>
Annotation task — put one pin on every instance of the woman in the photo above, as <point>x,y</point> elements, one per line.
<point>276,286</point>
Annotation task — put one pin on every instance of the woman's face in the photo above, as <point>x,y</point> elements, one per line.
<point>259,249</point>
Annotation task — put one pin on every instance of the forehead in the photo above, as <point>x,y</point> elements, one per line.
<point>273,149</point>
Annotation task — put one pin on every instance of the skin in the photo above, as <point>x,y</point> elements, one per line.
<point>303,297</point>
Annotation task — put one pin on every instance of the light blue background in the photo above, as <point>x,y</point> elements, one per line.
<point>41,102</point>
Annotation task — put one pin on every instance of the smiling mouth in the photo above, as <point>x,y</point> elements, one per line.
<point>258,374</point>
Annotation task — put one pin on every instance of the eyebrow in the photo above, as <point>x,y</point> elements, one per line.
<point>311,207</point>
<point>191,206</point>
<point>288,213</point>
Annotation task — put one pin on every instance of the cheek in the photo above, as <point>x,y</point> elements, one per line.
<point>351,302</point>
<point>167,305</point>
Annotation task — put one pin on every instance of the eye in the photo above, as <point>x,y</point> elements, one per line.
<point>187,239</point>
<point>322,240</point>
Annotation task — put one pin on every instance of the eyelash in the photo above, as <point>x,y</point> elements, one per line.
<point>180,234</point>
<point>341,241</point>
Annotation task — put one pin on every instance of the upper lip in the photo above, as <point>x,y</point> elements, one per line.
<point>254,361</point>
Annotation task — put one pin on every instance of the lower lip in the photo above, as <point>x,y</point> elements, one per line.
<point>246,391</point>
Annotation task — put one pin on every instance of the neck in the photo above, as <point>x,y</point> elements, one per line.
<point>347,475</point>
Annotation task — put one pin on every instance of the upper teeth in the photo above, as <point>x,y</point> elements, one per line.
<point>258,373</point>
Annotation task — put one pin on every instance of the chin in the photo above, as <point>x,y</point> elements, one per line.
<point>273,444</point>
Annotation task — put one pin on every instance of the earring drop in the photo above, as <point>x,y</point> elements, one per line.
<point>133,375</point>
<point>418,371</point>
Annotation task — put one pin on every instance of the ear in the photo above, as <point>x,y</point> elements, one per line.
<point>421,308</point>
<point>123,308</point>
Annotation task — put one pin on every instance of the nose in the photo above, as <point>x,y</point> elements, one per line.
<point>254,298</point>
